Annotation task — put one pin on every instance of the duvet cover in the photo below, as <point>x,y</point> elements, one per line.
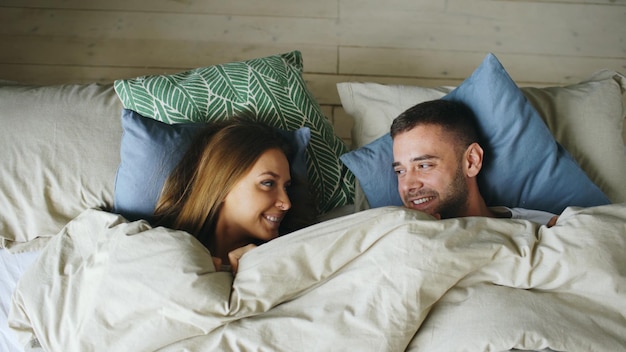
<point>385,279</point>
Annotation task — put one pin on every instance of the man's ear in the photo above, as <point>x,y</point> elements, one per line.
<point>473,159</point>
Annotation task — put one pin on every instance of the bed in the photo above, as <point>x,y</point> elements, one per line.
<point>361,272</point>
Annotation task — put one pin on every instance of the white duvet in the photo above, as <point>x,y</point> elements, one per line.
<point>386,279</point>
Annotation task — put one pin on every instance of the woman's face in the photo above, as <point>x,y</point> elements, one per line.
<point>258,202</point>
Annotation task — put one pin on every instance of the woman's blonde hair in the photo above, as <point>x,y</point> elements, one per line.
<point>219,156</point>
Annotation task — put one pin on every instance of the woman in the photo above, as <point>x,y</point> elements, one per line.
<point>230,189</point>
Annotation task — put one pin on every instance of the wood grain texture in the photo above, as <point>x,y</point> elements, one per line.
<point>418,42</point>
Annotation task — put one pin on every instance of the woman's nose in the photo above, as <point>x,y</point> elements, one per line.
<point>283,202</point>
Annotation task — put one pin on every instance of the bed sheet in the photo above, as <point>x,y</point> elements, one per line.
<point>12,266</point>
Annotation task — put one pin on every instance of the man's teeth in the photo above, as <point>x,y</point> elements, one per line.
<point>422,200</point>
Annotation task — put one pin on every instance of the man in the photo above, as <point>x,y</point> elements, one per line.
<point>437,158</point>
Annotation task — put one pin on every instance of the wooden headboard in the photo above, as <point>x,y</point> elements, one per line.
<point>422,42</point>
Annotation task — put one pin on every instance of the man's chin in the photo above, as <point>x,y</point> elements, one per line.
<point>427,210</point>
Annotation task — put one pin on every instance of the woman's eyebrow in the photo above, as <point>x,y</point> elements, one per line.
<point>270,173</point>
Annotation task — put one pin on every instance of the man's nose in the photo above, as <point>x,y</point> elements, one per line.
<point>411,182</point>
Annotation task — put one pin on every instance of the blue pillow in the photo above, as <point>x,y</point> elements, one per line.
<point>524,166</point>
<point>369,165</point>
<point>150,150</point>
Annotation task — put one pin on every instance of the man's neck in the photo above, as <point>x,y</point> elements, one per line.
<point>476,206</point>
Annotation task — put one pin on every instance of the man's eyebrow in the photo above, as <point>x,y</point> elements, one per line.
<point>417,159</point>
<point>424,157</point>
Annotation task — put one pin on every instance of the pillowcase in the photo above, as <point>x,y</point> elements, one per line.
<point>587,118</point>
<point>60,151</point>
<point>270,88</point>
<point>369,164</point>
<point>151,149</point>
<point>524,166</point>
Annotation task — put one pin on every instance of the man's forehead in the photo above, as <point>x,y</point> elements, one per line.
<point>427,128</point>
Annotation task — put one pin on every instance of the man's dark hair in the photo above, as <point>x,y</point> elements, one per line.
<point>453,116</point>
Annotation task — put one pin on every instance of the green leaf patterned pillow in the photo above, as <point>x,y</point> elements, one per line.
<point>271,89</point>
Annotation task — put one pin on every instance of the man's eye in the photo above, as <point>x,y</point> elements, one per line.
<point>425,166</point>
<point>399,172</point>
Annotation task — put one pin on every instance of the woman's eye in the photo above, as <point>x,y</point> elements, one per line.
<point>268,183</point>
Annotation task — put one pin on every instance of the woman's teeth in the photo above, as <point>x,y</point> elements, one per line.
<point>273,218</point>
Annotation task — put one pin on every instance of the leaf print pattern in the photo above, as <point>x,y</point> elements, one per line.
<point>271,89</point>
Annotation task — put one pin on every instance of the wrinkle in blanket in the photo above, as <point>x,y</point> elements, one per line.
<point>387,279</point>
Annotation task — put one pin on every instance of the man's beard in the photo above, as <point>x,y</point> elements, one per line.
<point>455,203</point>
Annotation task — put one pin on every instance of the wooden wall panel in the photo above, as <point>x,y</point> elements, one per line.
<point>283,8</point>
<point>151,53</point>
<point>168,26</point>
<point>487,25</point>
<point>417,42</point>
<point>527,69</point>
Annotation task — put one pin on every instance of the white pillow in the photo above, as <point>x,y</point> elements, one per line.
<point>586,118</point>
<point>60,151</point>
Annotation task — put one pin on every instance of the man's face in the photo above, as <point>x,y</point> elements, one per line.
<point>430,173</point>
